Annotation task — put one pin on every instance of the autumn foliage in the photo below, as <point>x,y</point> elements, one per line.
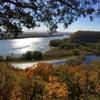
<point>48,82</point>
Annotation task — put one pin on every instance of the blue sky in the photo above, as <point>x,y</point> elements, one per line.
<point>80,24</point>
<point>85,24</point>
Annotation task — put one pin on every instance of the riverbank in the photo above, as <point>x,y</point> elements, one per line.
<point>23,65</point>
<point>68,61</point>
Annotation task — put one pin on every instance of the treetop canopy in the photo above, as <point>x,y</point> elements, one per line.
<point>14,14</point>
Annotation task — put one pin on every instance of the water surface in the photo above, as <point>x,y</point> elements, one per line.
<point>20,46</point>
<point>91,58</point>
<point>88,59</point>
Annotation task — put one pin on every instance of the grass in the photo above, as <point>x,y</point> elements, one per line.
<point>56,53</point>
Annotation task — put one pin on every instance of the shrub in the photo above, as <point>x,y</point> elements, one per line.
<point>32,89</point>
<point>37,55</point>
<point>47,82</point>
<point>7,82</point>
<point>28,56</point>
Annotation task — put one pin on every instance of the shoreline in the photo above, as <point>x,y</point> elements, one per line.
<point>36,36</point>
<point>29,64</point>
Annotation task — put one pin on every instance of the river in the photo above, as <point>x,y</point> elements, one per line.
<point>21,46</point>
<point>32,64</point>
<point>88,59</point>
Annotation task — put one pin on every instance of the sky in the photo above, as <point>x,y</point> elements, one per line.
<point>85,24</point>
<point>80,24</point>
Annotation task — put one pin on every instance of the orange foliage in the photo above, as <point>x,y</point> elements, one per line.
<point>42,69</point>
<point>56,89</point>
<point>15,94</point>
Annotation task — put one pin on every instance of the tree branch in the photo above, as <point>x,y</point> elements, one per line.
<point>19,4</point>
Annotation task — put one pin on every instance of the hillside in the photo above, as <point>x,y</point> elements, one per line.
<point>85,37</point>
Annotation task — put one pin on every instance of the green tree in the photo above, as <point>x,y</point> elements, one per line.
<point>27,56</point>
<point>37,55</point>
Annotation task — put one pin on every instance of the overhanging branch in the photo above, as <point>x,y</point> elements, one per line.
<point>19,4</point>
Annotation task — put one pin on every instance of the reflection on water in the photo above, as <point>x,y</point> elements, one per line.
<point>91,58</point>
<point>33,64</point>
<point>20,46</point>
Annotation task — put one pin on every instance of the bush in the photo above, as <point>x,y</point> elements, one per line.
<point>7,82</point>
<point>47,82</point>
<point>32,89</point>
<point>37,55</point>
<point>28,56</point>
<point>55,43</point>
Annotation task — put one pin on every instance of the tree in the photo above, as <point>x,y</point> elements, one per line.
<point>27,56</point>
<point>37,55</point>
<point>14,14</point>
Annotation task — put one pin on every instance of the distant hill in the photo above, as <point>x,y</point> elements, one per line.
<point>41,34</point>
<point>85,37</point>
<point>33,35</point>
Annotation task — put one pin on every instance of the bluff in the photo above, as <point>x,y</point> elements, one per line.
<point>85,37</point>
